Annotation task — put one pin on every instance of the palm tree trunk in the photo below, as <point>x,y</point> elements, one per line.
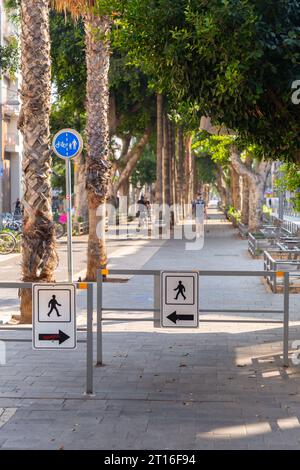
<point>39,257</point>
<point>98,167</point>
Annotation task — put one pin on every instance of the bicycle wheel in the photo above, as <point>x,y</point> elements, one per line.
<point>18,238</point>
<point>59,230</point>
<point>7,243</point>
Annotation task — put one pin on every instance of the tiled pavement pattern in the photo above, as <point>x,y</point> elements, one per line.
<point>219,387</point>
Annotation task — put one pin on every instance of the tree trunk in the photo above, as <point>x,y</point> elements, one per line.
<point>132,158</point>
<point>257,178</point>
<point>98,167</point>
<point>188,176</point>
<point>245,201</point>
<point>159,152</point>
<point>172,154</point>
<point>39,257</point>
<point>220,187</point>
<point>180,152</point>
<point>166,160</point>
<point>206,190</point>
<point>80,205</point>
<point>235,189</point>
<point>196,178</point>
<point>256,199</point>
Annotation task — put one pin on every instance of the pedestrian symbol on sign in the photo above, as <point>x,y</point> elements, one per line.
<point>53,304</point>
<point>180,299</point>
<point>180,291</point>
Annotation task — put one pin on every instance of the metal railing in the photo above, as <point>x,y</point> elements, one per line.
<point>283,262</point>
<point>155,310</point>
<point>156,307</point>
<point>256,246</point>
<point>89,329</point>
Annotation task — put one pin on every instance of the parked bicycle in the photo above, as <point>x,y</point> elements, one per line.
<point>8,243</point>
<point>11,234</point>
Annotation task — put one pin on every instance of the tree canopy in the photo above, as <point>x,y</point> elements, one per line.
<point>232,60</point>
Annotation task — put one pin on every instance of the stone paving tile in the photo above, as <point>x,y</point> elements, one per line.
<point>220,387</point>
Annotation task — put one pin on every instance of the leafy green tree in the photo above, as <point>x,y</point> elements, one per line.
<point>290,181</point>
<point>9,57</point>
<point>232,60</point>
<point>145,169</point>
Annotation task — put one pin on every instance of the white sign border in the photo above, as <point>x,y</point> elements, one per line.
<point>79,137</point>
<point>58,348</point>
<point>197,298</point>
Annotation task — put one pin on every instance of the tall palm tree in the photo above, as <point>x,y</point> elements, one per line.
<point>97,27</point>
<point>38,254</point>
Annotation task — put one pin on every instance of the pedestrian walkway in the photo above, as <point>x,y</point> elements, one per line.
<point>221,386</point>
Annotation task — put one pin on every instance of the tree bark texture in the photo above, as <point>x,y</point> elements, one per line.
<point>39,258</point>
<point>98,167</point>
<point>159,152</point>
<point>257,177</point>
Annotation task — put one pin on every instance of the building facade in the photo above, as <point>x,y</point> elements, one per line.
<point>10,137</point>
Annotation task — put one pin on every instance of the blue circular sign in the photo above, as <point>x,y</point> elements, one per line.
<point>67,143</point>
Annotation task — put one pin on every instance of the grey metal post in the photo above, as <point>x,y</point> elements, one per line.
<point>99,319</point>
<point>69,216</point>
<point>274,268</point>
<point>89,341</point>
<point>286,308</point>
<point>157,300</point>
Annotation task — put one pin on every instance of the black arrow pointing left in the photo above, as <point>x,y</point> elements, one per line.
<point>174,317</point>
<point>61,337</point>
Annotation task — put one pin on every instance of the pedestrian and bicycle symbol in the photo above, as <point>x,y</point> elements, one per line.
<point>179,299</point>
<point>54,316</point>
<point>67,143</point>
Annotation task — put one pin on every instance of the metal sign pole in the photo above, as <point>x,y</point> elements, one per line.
<point>89,341</point>
<point>67,144</point>
<point>286,308</point>
<point>99,318</point>
<point>69,218</point>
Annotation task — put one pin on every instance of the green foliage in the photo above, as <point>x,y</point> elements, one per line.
<point>135,102</point>
<point>145,170</point>
<point>232,60</point>
<point>290,181</point>
<point>13,11</point>
<point>234,214</point>
<point>216,146</point>
<point>267,210</point>
<point>206,168</point>
<point>9,54</point>
<point>68,71</point>
<point>9,57</point>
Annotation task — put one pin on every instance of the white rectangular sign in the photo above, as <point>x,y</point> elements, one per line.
<point>180,299</point>
<point>54,316</point>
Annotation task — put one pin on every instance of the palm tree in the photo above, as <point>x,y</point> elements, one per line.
<point>39,257</point>
<point>97,27</point>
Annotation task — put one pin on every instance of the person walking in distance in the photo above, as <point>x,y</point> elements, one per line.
<point>180,290</point>
<point>53,304</point>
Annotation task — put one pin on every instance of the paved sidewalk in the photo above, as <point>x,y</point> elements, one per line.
<point>221,386</point>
